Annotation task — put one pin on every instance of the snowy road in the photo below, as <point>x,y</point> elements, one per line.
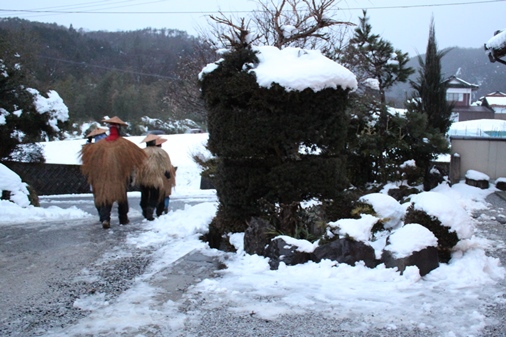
<point>41,263</point>
<point>61,278</point>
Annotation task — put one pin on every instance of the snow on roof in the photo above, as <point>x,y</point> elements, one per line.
<point>296,69</point>
<point>496,100</point>
<point>455,82</point>
<point>477,128</point>
<point>498,41</point>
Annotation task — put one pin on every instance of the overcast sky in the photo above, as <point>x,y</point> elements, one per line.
<point>462,23</point>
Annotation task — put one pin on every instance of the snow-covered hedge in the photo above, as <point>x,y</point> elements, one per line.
<point>11,182</point>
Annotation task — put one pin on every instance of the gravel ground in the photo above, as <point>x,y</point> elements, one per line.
<point>40,270</point>
<point>493,223</point>
<point>222,323</point>
<point>51,306</point>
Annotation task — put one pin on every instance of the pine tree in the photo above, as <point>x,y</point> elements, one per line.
<point>370,57</point>
<point>20,121</point>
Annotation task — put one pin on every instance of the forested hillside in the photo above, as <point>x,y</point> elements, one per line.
<point>150,72</point>
<point>129,74</point>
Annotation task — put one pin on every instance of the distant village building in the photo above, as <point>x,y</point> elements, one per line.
<point>460,93</point>
<point>497,102</point>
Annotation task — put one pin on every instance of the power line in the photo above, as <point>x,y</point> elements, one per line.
<point>238,12</point>
<point>84,64</point>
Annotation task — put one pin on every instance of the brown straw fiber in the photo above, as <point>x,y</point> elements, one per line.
<point>152,172</point>
<point>108,166</point>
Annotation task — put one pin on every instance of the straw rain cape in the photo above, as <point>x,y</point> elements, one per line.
<point>108,167</point>
<point>152,172</point>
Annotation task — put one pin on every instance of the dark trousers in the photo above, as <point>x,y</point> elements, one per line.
<point>150,199</point>
<point>104,212</point>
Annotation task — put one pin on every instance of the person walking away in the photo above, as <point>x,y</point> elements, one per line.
<point>94,136</point>
<point>169,184</point>
<point>108,166</point>
<point>154,177</point>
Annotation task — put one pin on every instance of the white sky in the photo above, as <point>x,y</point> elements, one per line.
<point>467,23</point>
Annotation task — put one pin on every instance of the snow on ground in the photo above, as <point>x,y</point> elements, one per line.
<point>450,299</point>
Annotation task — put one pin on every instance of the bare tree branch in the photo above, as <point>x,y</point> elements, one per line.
<point>297,23</point>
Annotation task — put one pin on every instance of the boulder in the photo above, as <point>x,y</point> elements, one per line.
<point>346,251</point>
<point>477,179</point>
<point>426,260</point>
<point>402,192</point>
<point>279,250</point>
<point>500,183</point>
<point>483,184</point>
<point>257,236</point>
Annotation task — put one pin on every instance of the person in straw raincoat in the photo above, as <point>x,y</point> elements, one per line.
<point>155,178</point>
<point>96,135</point>
<point>108,166</point>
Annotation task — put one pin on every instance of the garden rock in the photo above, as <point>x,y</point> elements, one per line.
<point>402,192</point>
<point>426,260</point>
<point>477,179</point>
<point>257,236</point>
<point>346,251</point>
<point>483,184</point>
<point>500,183</point>
<point>279,250</point>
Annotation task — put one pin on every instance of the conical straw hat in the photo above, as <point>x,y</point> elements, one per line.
<point>114,120</point>
<point>149,138</point>
<point>96,132</point>
<point>160,141</point>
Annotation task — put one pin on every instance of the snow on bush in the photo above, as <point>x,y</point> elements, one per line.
<point>12,182</point>
<point>386,208</point>
<point>52,105</point>
<point>409,239</point>
<point>357,229</point>
<point>446,210</point>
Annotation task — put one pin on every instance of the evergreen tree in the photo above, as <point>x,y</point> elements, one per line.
<point>371,57</point>
<point>428,118</point>
<point>257,133</point>
<point>22,119</point>
<point>374,61</point>
<point>431,88</point>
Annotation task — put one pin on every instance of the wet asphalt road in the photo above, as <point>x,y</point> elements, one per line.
<point>40,264</point>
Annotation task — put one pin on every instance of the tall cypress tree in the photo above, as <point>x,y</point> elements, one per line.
<point>430,86</point>
<point>428,112</point>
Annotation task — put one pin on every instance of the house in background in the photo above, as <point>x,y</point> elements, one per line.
<point>497,102</point>
<point>460,93</point>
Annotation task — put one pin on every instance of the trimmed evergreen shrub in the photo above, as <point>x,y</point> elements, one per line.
<point>272,145</point>
<point>446,239</point>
